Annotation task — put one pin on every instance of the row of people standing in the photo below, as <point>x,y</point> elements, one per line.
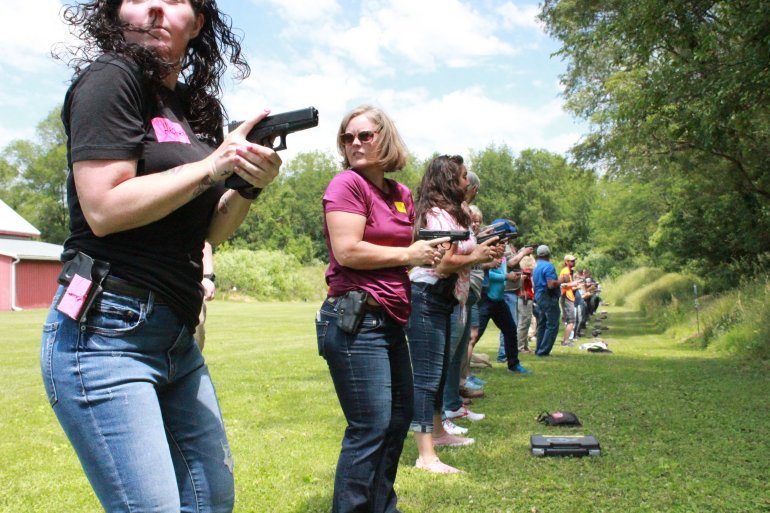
<point>390,372</point>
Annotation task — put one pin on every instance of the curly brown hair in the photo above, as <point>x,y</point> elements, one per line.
<point>440,188</point>
<point>97,25</point>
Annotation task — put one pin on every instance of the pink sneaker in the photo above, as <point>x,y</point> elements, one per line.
<point>436,466</point>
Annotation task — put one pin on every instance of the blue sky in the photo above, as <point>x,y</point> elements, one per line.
<point>455,75</point>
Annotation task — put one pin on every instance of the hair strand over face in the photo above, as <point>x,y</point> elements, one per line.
<point>98,27</point>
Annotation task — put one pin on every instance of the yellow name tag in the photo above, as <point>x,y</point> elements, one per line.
<point>400,206</point>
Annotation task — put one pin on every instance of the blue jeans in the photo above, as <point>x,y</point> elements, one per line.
<point>429,335</point>
<point>373,379</point>
<point>460,336</point>
<point>500,314</point>
<point>134,396</point>
<point>547,323</point>
<point>511,299</point>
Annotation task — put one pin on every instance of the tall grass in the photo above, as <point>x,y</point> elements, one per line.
<point>739,321</point>
<point>667,299</point>
<point>617,290</point>
<point>735,321</point>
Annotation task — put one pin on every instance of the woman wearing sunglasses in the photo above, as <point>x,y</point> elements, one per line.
<point>435,292</point>
<point>360,326</point>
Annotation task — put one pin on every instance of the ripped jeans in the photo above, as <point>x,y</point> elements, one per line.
<point>134,396</point>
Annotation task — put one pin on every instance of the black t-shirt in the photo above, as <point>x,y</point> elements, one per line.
<point>109,114</point>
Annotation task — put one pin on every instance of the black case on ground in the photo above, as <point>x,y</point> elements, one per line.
<point>567,445</point>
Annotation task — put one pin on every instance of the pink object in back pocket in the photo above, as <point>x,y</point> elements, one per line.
<point>169,131</point>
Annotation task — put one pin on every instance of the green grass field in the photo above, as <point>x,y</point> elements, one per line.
<point>681,429</point>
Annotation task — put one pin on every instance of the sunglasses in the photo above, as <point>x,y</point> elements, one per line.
<point>364,136</point>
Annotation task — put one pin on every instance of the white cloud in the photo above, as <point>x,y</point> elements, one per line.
<point>469,119</point>
<point>30,29</point>
<point>520,15</point>
<point>303,11</point>
<point>428,33</point>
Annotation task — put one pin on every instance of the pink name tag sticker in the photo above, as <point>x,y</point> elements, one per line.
<point>74,297</point>
<point>169,131</point>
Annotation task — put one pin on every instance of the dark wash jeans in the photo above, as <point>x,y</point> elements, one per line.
<point>373,379</point>
<point>547,322</point>
<point>500,314</point>
<point>461,335</point>
<point>134,396</point>
<point>429,335</point>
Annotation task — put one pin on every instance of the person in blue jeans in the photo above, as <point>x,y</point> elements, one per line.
<point>492,306</point>
<point>511,296</point>
<point>547,292</point>
<point>147,164</point>
<point>435,292</point>
<point>368,226</point>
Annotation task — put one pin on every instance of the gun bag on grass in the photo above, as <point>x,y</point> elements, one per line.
<point>559,418</point>
<point>575,445</point>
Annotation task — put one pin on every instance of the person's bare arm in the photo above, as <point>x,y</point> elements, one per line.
<point>115,199</point>
<point>346,234</point>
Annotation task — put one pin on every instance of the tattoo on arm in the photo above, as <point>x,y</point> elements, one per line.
<point>223,207</point>
<point>204,184</point>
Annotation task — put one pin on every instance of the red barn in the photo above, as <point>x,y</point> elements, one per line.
<point>28,267</point>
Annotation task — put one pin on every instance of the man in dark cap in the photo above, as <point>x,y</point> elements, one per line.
<point>547,294</point>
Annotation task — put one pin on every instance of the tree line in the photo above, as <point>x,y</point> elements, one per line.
<point>673,171</point>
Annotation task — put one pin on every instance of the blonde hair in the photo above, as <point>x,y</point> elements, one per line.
<point>527,262</point>
<point>392,154</point>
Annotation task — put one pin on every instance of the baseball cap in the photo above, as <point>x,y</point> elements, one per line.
<point>569,257</point>
<point>543,250</point>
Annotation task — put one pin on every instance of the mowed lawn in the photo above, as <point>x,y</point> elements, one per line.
<point>681,429</point>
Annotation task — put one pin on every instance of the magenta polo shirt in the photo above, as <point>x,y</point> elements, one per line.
<point>389,221</point>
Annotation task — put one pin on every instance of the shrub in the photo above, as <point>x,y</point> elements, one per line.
<point>601,265</point>
<point>267,275</point>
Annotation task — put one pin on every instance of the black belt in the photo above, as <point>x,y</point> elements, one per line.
<point>367,306</point>
<point>124,288</point>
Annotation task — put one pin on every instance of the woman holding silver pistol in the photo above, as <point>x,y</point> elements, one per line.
<point>147,160</point>
<point>360,326</point>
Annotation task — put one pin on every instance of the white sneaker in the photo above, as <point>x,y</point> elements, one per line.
<point>453,429</point>
<point>464,413</point>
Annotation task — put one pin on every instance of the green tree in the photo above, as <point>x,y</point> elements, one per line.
<point>288,215</point>
<point>548,198</point>
<point>33,179</point>
<point>658,78</point>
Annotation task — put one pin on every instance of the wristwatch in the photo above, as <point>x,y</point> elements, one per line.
<point>211,276</point>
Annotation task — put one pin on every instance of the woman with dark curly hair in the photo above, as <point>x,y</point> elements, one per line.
<point>147,161</point>
<point>435,292</point>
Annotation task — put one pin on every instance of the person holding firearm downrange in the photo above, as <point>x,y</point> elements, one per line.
<point>360,327</point>
<point>435,292</point>
<point>147,159</point>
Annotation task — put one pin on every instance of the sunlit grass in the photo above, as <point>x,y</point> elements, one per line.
<point>681,429</point>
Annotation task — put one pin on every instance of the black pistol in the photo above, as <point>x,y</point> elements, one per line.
<point>278,126</point>
<point>454,235</point>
